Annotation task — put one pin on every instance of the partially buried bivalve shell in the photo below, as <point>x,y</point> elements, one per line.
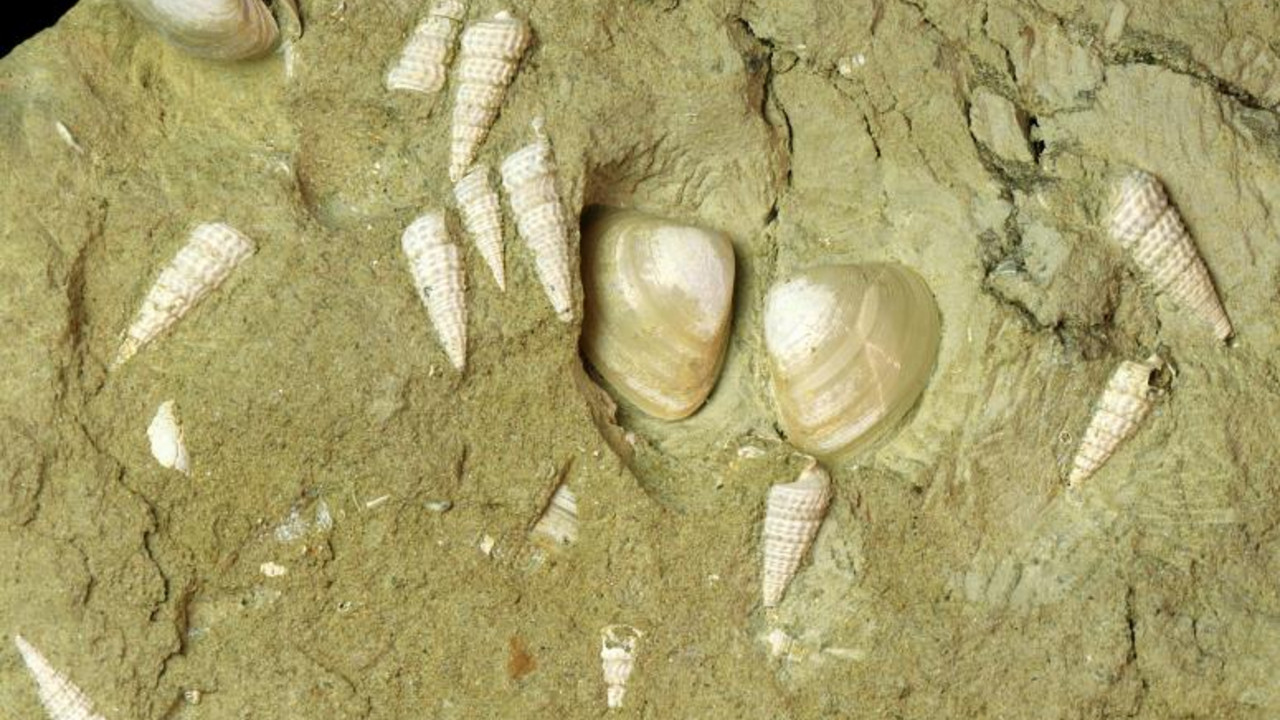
<point>216,29</point>
<point>850,348</point>
<point>658,297</point>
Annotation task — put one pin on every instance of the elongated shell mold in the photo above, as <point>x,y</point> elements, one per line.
<point>1149,227</point>
<point>1124,404</point>
<point>168,442</point>
<point>657,304</point>
<point>481,213</point>
<point>436,265</point>
<point>850,348</point>
<point>529,178</point>
<point>487,62</point>
<point>793,516</point>
<point>211,253</point>
<point>423,65</point>
<point>618,645</point>
<point>61,699</point>
<point>217,29</point>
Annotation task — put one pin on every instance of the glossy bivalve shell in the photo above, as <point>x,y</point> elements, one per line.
<point>851,348</point>
<point>216,29</point>
<point>658,301</point>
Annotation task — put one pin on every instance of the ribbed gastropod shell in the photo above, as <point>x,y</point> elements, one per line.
<point>793,516</point>
<point>436,265</point>
<point>529,178</point>
<point>1146,224</point>
<point>658,297</point>
<point>1124,404</point>
<point>423,65</point>
<point>618,645</point>
<point>850,348</point>
<point>490,54</point>
<point>216,29</point>
<point>482,216</point>
<point>61,699</point>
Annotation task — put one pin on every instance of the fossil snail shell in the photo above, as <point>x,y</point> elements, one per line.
<point>1124,404</point>
<point>216,29</point>
<point>793,516</point>
<point>658,300</point>
<point>850,348</point>
<point>61,699</point>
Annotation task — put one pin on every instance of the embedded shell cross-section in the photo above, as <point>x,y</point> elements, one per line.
<point>436,265</point>
<point>1149,227</point>
<point>216,29</point>
<point>168,442</point>
<point>793,515</point>
<point>1124,404</point>
<point>487,62</point>
<point>850,348</point>
<point>657,303</point>
<point>61,699</point>
<point>211,253</point>
<point>424,63</point>
<point>482,216</point>
<point>617,659</point>
<point>529,178</point>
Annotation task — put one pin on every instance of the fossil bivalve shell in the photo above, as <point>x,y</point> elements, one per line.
<point>61,699</point>
<point>529,178</point>
<point>657,304</point>
<point>793,515</point>
<point>424,63</point>
<point>482,216</point>
<point>216,29</point>
<point>487,62</point>
<point>850,348</point>
<point>1124,404</point>
<point>1149,227</point>
<point>436,265</point>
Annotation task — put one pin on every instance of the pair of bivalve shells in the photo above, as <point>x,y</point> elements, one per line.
<point>850,347</point>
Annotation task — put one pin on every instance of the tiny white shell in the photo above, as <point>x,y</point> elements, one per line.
<point>61,699</point>
<point>1147,225</point>
<point>529,178</point>
<point>1124,404</point>
<point>558,526</point>
<point>617,658</point>
<point>168,443</point>
<point>211,253</point>
<point>424,62</point>
<point>436,265</point>
<point>490,55</point>
<point>216,29</point>
<point>793,515</point>
<point>482,216</point>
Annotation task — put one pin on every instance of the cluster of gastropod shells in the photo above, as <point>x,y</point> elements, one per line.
<point>61,699</point>
<point>217,29</point>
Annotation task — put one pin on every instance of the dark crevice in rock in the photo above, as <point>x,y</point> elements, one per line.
<point>757,53</point>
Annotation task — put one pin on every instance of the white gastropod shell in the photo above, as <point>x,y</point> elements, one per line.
<point>436,265</point>
<point>1146,224</point>
<point>211,253</point>
<point>557,528</point>
<point>490,55</point>
<point>850,348</point>
<point>168,442</point>
<point>482,216</point>
<point>658,297</point>
<point>617,659</point>
<point>1124,404</point>
<point>424,63</point>
<point>61,699</point>
<point>793,515</point>
<point>529,178</point>
<point>216,29</point>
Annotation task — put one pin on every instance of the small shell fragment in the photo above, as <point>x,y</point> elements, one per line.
<point>558,526</point>
<point>168,443</point>
<point>1124,404</point>
<point>211,253</point>
<point>482,216</point>
<point>436,265</point>
<point>61,699</point>
<point>424,62</point>
<point>529,178</point>
<point>1149,227</point>
<point>617,658</point>
<point>490,55</point>
<point>793,515</point>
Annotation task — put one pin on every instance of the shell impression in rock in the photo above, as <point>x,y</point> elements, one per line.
<point>1124,404</point>
<point>529,178</point>
<point>424,62</point>
<point>490,54</point>
<point>617,658</point>
<point>61,699</point>
<point>482,216</point>
<point>436,265</point>
<point>216,29</point>
<point>211,253</point>
<point>658,297</point>
<point>793,514</point>
<point>850,348</point>
<point>168,443</point>
<point>1149,227</point>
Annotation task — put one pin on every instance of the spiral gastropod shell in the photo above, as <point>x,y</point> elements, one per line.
<point>851,348</point>
<point>217,29</point>
<point>658,301</point>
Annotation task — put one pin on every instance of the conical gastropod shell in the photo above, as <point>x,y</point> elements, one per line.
<point>490,55</point>
<point>1146,224</point>
<point>436,265</point>
<point>211,253</point>
<point>216,29</point>
<point>529,178</point>
<point>61,699</point>
<point>424,62</point>
<point>850,348</point>
<point>793,514</point>
<point>482,216</point>
<point>657,303</point>
<point>1124,404</point>
<point>617,659</point>
<point>168,442</point>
